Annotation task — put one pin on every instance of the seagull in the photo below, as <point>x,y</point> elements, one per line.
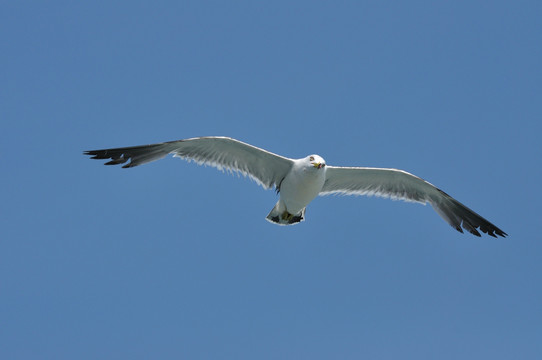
<point>299,181</point>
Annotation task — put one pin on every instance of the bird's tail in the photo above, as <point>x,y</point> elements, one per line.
<point>276,216</point>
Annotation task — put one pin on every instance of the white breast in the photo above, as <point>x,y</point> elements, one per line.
<point>302,184</point>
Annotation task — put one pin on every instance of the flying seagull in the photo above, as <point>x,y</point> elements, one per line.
<point>299,181</point>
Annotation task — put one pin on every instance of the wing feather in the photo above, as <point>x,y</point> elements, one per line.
<point>399,184</point>
<point>224,153</point>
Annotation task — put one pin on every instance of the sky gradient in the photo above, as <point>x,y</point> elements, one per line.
<point>175,260</point>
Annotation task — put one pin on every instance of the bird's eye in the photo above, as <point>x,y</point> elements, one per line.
<point>311,158</point>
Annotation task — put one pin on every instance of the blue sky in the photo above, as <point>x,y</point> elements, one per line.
<point>174,260</point>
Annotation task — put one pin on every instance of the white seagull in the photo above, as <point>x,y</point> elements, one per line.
<point>299,181</point>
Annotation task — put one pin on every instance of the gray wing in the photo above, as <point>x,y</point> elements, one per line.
<point>224,153</point>
<point>398,184</point>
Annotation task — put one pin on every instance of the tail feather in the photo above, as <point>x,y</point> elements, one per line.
<point>279,217</point>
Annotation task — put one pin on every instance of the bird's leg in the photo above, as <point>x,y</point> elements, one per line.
<point>286,216</point>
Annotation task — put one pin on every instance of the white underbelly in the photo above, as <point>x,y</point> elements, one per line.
<point>299,188</point>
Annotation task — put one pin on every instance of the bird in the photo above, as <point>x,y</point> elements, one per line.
<point>299,181</point>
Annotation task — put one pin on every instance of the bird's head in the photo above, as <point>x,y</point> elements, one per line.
<point>316,161</point>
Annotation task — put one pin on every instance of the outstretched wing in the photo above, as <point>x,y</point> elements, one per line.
<point>224,153</point>
<point>398,184</point>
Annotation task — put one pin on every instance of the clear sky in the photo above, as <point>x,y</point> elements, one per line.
<point>174,260</point>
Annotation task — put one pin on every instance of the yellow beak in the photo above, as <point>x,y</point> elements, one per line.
<point>317,165</point>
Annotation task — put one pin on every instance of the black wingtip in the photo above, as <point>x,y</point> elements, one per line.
<point>491,232</point>
<point>475,233</point>
<point>116,157</point>
<point>96,154</point>
<point>90,153</point>
<point>494,232</point>
<point>117,161</point>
